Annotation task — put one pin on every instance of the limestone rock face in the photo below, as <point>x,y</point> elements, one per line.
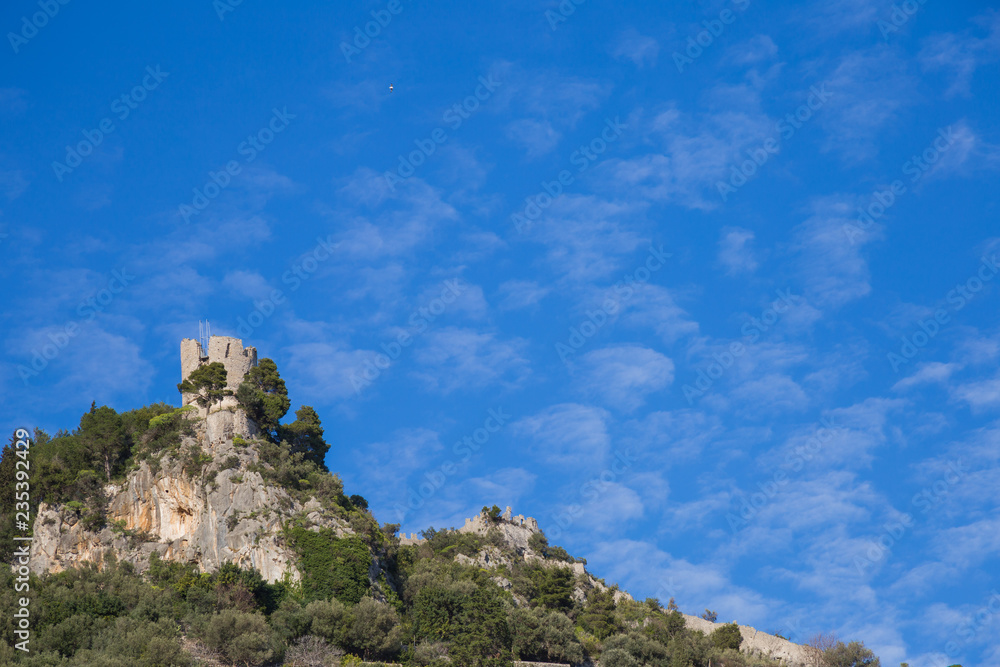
<point>515,530</point>
<point>761,643</point>
<point>235,518</point>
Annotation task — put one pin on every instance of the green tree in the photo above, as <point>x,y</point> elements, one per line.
<point>727,636</point>
<point>102,433</point>
<point>208,382</point>
<point>374,631</point>
<point>329,620</point>
<point>543,636</point>
<point>305,435</point>
<point>617,657</point>
<point>483,638</point>
<point>854,654</point>
<point>244,639</point>
<point>598,616</point>
<point>710,616</point>
<point>8,486</point>
<point>264,397</point>
<point>555,587</point>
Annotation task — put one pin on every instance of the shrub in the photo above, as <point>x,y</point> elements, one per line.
<point>311,651</point>
<point>331,566</point>
<point>242,638</point>
<point>373,631</point>
<point>617,657</point>
<point>194,461</point>
<point>854,654</point>
<point>727,636</point>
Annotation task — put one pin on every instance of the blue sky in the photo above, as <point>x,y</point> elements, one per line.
<point>706,288</point>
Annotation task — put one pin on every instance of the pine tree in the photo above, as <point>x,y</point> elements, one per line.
<point>264,397</point>
<point>102,434</point>
<point>208,382</point>
<point>305,435</point>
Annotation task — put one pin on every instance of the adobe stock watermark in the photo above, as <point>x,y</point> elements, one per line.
<point>971,626</point>
<point>713,29</point>
<point>785,128</point>
<point>419,321</point>
<point>463,451</point>
<point>751,331</point>
<point>453,117</point>
<point>898,17</point>
<point>30,27</point>
<point>582,158</point>
<point>88,310</point>
<point>916,167</point>
<point>223,7</point>
<point>959,298</point>
<point>302,269</point>
<point>591,491</point>
<point>22,555</point>
<point>381,18</point>
<point>623,291</point>
<point>565,9</point>
<point>750,505</point>
<point>122,107</point>
<point>250,148</point>
<point>893,531</point>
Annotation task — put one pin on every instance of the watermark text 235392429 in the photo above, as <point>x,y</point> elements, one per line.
<point>22,522</point>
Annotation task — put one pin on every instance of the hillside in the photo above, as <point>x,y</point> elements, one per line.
<point>202,535</point>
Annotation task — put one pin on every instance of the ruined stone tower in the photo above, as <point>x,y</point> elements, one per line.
<point>226,419</point>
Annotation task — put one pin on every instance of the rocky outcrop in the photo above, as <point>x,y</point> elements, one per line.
<point>236,517</point>
<point>763,644</point>
<point>516,530</point>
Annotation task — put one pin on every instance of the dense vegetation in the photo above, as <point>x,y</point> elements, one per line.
<point>447,613</point>
<point>361,596</point>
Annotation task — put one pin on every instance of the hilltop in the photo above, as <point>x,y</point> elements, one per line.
<point>212,533</point>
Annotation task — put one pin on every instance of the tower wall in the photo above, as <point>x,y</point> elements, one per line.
<point>223,419</point>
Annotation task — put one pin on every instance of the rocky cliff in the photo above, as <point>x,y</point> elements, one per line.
<point>223,514</point>
<point>761,643</point>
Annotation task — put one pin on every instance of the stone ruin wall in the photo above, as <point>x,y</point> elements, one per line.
<point>225,419</point>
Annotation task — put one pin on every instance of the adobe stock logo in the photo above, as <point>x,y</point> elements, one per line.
<point>30,28</point>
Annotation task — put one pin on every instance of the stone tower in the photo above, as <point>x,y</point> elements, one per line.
<point>226,419</point>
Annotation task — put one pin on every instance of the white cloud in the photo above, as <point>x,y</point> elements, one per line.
<point>980,396</point>
<point>324,369</point>
<point>771,394</point>
<point>453,358</point>
<point>867,91</point>
<point>734,253</point>
<point>502,487</point>
<point>587,238</point>
<point>536,137</point>
<point>961,54</point>
<point>622,376</point>
<point>695,153</point>
<point>831,265</point>
<point>754,50</point>
<point>404,453</point>
<point>519,294</point>
<point>933,372</point>
<point>248,284</point>
<point>567,434</point>
<point>654,307</point>
<point>640,49</point>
